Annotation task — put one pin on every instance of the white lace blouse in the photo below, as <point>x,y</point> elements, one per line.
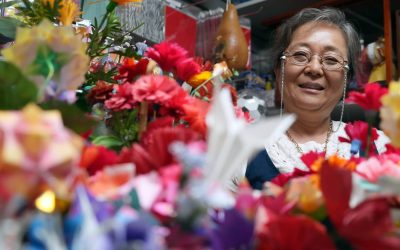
<point>285,156</point>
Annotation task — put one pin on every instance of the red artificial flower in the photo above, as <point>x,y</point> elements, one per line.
<point>311,158</point>
<point>162,122</point>
<point>187,68</point>
<point>155,89</point>
<point>370,99</point>
<point>129,70</point>
<point>167,55</point>
<point>195,113</point>
<point>204,65</point>
<point>100,92</point>
<point>284,178</point>
<point>276,206</point>
<point>122,99</point>
<point>390,149</point>
<point>359,131</point>
<point>175,105</point>
<point>95,158</point>
<point>153,155</point>
<point>368,225</point>
<point>292,233</point>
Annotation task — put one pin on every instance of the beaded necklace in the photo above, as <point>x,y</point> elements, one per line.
<point>301,150</point>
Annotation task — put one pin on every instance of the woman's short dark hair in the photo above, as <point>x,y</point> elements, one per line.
<point>284,33</point>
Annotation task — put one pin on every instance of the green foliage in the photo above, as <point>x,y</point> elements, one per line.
<point>34,12</point>
<point>103,38</point>
<point>8,26</point>
<point>15,89</point>
<point>121,130</point>
<point>100,75</point>
<point>99,35</point>
<point>109,141</point>
<point>124,124</point>
<point>73,117</point>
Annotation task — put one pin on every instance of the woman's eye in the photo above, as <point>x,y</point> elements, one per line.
<point>331,60</point>
<point>300,56</point>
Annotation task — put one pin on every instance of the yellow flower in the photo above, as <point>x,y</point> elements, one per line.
<point>48,53</point>
<point>305,193</point>
<point>199,78</point>
<point>69,10</point>
<point>390,113</point>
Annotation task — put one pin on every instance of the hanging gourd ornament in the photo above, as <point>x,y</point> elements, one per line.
<point>230,42</point>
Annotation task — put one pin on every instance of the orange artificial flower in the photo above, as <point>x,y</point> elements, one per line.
<point>200,78</point>
<point>337,161</point>
<point>69,10</point>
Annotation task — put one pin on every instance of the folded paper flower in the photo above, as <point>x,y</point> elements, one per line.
<point>53,57</point>
<point>34,145</point>
<point>390,113</point>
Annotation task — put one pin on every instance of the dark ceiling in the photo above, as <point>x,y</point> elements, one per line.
<point>265,15</point>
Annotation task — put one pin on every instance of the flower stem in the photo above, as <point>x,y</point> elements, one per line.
<point>42,90</point>
<point>110,7</point>
<point>143,112</point>
<point>370,115</point>
<point>368,140</point>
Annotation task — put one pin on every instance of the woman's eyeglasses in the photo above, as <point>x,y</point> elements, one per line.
<point>329,61</point>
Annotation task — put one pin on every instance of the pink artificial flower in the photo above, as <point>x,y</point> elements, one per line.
<point>370,99</point>
<point>155,89</point>
<point>380,165</point>
<point>122,99</point>
<point>167,55</point>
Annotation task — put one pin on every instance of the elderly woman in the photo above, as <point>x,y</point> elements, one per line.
<point>316,52</point>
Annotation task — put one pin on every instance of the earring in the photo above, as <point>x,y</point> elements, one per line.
<point>343,97</point>
<point>283,58</point>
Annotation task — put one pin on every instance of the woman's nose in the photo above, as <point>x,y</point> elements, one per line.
<point>314,67</point>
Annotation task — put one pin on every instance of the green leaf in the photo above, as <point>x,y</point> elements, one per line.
<point>8,26</point>
<point>108,141</point>
<point>73,117</point>
<point>15,89</point>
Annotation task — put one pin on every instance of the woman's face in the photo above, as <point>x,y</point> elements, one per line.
<point>311,87</point>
